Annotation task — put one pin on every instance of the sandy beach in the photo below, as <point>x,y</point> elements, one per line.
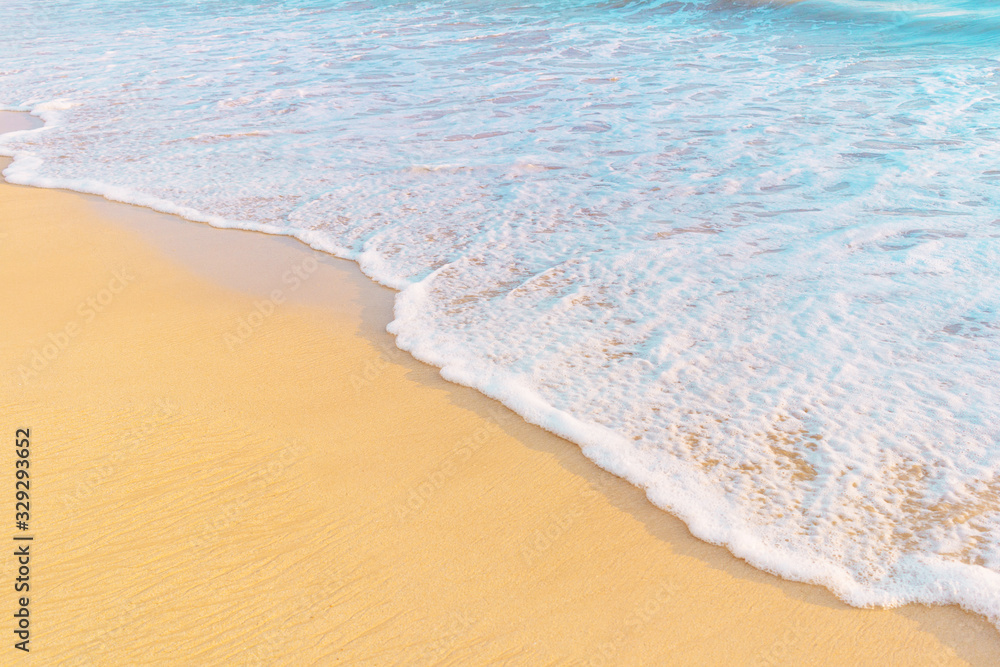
<point>233,464</point>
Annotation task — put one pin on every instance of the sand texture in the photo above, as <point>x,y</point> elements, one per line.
<point>232,464</point>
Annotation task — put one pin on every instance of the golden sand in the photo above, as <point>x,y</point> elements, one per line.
<point>232,464</point>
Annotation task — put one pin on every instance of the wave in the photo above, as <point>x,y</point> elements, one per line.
<point>957,23</point>
<point>745,256</point>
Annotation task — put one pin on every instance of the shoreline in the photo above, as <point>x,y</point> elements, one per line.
<point>429,520</point>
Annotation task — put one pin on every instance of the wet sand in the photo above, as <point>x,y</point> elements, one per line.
<point>233,464</point>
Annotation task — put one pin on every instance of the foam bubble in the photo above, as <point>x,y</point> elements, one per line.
<point>747,258</point>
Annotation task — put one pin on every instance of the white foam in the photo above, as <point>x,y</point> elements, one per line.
<point>754,271</point>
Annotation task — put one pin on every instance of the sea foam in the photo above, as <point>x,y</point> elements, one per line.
<point>746,255</point>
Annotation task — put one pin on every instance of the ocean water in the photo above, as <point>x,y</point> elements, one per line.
<point>745,254</point>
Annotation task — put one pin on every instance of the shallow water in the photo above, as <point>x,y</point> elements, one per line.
<point>745,254</point>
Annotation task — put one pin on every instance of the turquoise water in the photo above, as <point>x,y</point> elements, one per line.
<point>745,254</point>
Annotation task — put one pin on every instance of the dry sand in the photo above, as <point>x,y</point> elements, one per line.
<point>232,464</point>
